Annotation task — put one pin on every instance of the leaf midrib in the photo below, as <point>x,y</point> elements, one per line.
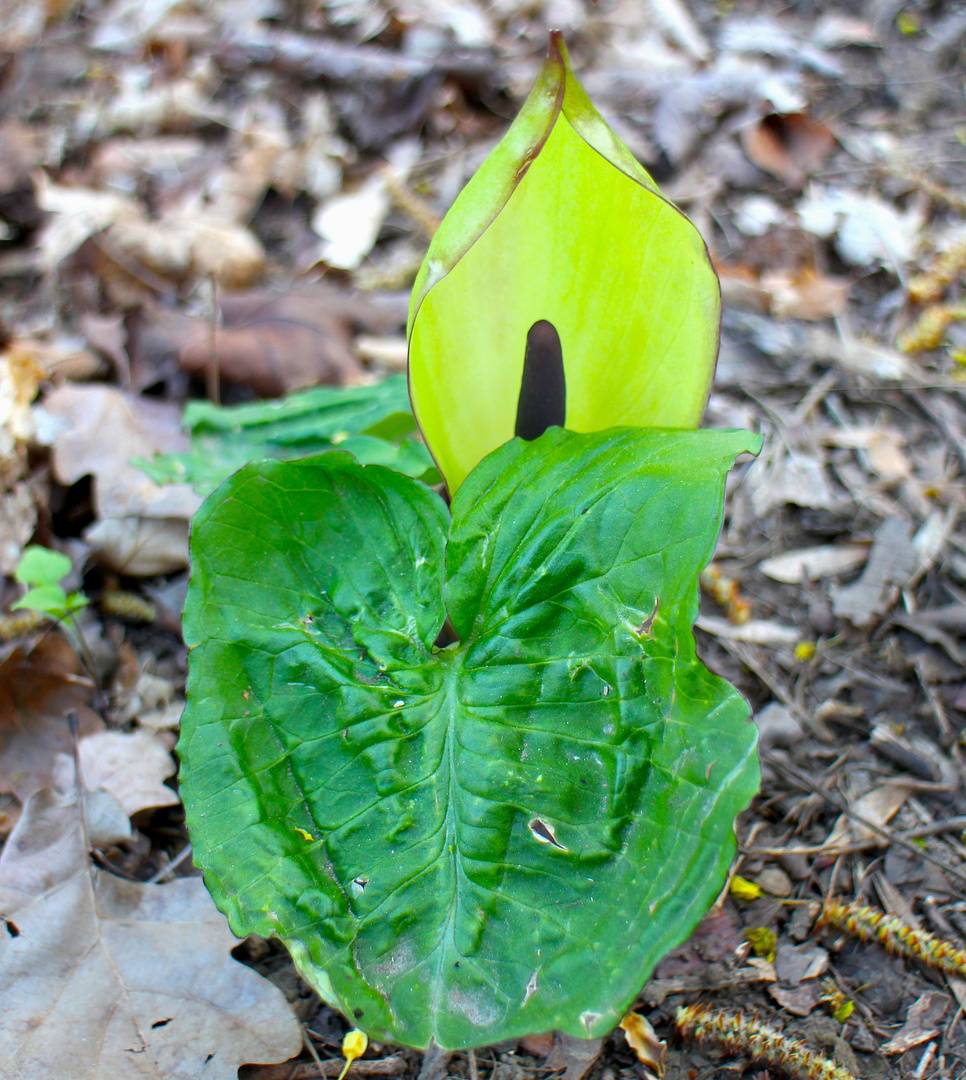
<point>451,848</point>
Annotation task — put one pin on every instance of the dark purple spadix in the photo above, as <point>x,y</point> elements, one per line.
<point>543,389</point>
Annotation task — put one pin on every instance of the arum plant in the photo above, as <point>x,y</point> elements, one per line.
<point>462,759</point>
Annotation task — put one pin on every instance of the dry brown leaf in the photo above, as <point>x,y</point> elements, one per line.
<point>132,766</point>
<point>575,1056</point>
<point>789,146</point>
<point>887,458</point>
<point>805,294</point>
<point>108,979</point>
<point>229,253</point>
<point>921,1024</point>
<point>878,806</point>
<point>143,526</point>
<point>791,475</point>
<point>38,687</point>
<point>179,244</point>
<point>386,352</point>
<point>176,106</point>
<point>643,1040</point>
<point>800,1000</point>
<point>101,430</point>
<point>741,288</point>
<point>276,342</point>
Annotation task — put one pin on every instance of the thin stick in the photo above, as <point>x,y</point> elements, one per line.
<point>175,862</point>
<point>893,838</point>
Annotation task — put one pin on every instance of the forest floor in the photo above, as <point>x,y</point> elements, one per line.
<point>228,199</point>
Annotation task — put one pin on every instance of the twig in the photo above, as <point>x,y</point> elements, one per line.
<point>893,838</point>
<point>330,1067</point>
<point>313,1053</point>
<point>934,828</point>
<point>213,367</point>
<point>175,862</point>
<point>745,657</point>
<point>79,788</point>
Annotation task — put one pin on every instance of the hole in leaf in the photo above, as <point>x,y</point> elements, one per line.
<point>162,1023</point>
<point>544,833</point>
<point>12,929</point>
<point>447,635</point>
<point>543,390</point>
<point>644,630</point>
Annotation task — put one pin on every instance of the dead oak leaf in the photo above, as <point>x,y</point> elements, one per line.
<point>38,687</point>
<point>132,766</point>
<point>107,979</point>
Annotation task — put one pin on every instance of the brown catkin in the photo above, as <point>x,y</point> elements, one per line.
<point>895,935</point>
<point>929,287</point>
<point>928,330</point>
<point>128,606</point>
<point>742,1034</point>
<point>410,203</point>
<point>18,623</point>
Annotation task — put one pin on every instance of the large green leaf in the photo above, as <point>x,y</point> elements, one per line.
<point>560,224</point>
<point>495,837</point>
<point>370,422</point>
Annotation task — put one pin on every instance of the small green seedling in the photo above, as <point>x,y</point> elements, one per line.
<point>41,570</point>
<point>461,757</point>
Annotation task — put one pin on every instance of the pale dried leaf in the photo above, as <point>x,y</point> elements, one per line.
<point>77,214</point>
<point>815,563</point>
<point>890,563</point>
<point>790,476</point>
<point>575,1056</point>
<point>140,546</point>
<point>676,21</point>
<point>868,231</point>
<point>18,519</point>
<point>921,1024</point>
<point>146,988</point>
<point>130,765</point>
<point>755,631</point>
<point>349,224</point>
<point>102,429</point>
<point>387,352</point>
<point>799,1001</point>
<point>878,806</point>
<point>805,293</point>
<point>766,35</point>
